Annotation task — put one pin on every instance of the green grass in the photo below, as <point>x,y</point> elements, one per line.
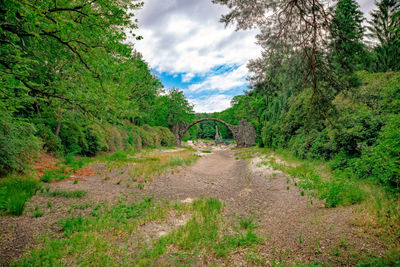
<point>316,181</point>
<point>111,233</point>
<point>37,212</point>
<point>206,151</point>
<point>14,192</point>
<point>55,174</point>
<point>76,163</point>
<point>66,194</point>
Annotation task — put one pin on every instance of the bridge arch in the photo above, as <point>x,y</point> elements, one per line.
<point>244,133</point>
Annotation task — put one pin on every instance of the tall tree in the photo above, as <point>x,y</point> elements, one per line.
<point>289,25</point>
<point>385,29</point>
<point>347,34</point>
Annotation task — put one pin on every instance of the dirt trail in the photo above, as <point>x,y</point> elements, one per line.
<point>295,230</point>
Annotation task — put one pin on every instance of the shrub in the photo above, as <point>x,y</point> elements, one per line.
<point>153,134</point>
<point>50,141</point>
<point>14,192</point>
<point>18,145</point>
<point>166,137</point>
<point>381,162</point>
<point>73,137</point>
<point>113,138</point>
<point>146,138</point>
<point>340,191</point>
<point>96,141</point>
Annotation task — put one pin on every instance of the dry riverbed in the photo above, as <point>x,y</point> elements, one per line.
<point>280,225</point>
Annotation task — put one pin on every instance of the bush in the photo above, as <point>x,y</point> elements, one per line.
<point>145,137</point>
<point>153,133</point>
<point>166,137</point>
<point>340,191</point>
<point>14,192</point>
<point>50,141</point>
<point>18,145</point>
<point>96,140</point>
<point>73,137</point>
<point>381,162</point>
<point>113,138</point>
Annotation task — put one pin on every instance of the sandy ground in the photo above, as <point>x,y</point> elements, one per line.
<point>294,229</point>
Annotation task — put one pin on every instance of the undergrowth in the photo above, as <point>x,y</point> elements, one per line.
<point>14,192</point>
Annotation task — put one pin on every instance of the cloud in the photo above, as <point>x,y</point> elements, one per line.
<point>212,103</point>
<point>187,77</point>
<point>222,82</point>
<point>186,36</point>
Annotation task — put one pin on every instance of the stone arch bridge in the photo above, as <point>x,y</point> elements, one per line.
<point>244,133</point>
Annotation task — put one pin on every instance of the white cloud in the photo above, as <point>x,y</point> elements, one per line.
<point>222,82</point>
<point>212,103</point>
<point>187,77</point>
<point>187,37</point>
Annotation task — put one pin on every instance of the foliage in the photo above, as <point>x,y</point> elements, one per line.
<point>14,192</point>
<point>384,28</point>
<point>347,33</point>
<point>72,82</point>
<point>18,145</point>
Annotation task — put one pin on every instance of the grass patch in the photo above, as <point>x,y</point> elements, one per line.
<point>206,151</point>
<point>76,163</point>
<point>315,179</point>
<point>14,192</point>
<point>55,174</point>
<point>66,194</point>
<point>110,233</point>
<point>147,167</point>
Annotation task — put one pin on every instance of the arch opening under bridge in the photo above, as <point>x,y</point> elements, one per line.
<point>244,133</point>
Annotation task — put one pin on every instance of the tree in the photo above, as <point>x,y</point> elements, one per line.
<point>171,108</point>
<point>289,25</point>
<point>385,29</point>
<point>347,34</point>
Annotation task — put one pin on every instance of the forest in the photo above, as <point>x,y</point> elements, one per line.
<point>90,176</point>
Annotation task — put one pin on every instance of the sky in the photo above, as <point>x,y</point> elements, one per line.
<point>188,48</point>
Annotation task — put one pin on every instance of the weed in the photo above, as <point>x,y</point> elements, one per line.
<point>140,186</point>
<point>49,204</point>
<point>336,252</point>
<point>75,181</point>
<point>206,151</point>
<point>302,193</point>
<point>300,238</point>
<point>37,212</point>
<point>247,223</point>
<point>287,187</point>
